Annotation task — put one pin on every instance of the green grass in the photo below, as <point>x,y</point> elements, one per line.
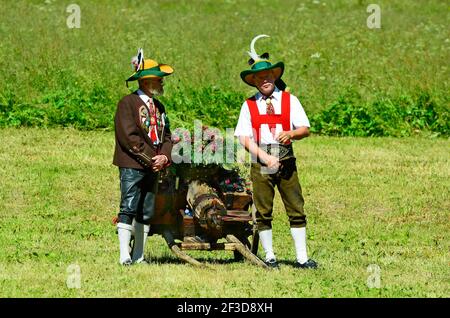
<point>74,77</point>
<point>382,201</point>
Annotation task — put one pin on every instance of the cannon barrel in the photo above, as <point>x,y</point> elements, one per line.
<point>208,208</point>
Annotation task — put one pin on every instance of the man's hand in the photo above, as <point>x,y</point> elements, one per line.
<point>296,134</point>
<point>159,162</point>
<point>284,137</point>
<point>272,162</point>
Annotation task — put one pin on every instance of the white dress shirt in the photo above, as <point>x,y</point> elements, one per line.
<point>244,126</point>
<point>145,98</point>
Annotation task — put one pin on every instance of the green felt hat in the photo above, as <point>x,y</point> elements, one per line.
<point>151,68</point>
<point>260,63</point>
<point>147,68</point>
<point>264,65</point>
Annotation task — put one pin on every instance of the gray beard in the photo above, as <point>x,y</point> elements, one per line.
<point>156,92</point>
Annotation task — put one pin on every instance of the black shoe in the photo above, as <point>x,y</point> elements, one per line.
<point>307,265</point>
<point>272,263</point>
<point>127,262</point>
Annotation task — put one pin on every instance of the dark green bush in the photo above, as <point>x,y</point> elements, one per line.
<point>211,105</point>
<point>348,116</point>
<point>399,117</point>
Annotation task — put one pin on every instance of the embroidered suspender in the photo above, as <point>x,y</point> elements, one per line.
<point>257,119</point>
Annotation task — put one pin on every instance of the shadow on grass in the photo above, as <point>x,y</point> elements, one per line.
<point>207,260</point>
<point>286,262</point>
<point>168,259</point>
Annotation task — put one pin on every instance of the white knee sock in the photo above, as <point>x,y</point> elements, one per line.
<point>124,233</point>
<point>266,241</point>
<point>299,236</point>
<point>140,237</point>
<point>132,234</point>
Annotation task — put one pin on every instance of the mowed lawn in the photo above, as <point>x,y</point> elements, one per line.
<point>378,203</point>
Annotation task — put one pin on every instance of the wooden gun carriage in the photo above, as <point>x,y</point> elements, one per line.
<point>221,209</point>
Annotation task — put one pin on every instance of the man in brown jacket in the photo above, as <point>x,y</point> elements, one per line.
<point>143,147</point>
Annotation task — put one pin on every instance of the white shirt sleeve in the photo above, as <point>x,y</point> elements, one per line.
<point>244,125</point>
<point>298,115</point>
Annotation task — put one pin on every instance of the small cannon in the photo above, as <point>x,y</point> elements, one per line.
<point>221,208</point>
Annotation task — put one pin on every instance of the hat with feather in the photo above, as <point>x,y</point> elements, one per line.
<point>147,68</point>
<point>260,63</point>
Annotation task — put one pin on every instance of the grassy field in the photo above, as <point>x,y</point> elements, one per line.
<point>55,75</point>
<point>381,201</point>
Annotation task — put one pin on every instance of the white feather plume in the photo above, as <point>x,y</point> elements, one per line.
<point>137,60</point>
<point>252,52</point>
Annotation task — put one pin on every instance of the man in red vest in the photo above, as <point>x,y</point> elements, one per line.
<point>269,121</point>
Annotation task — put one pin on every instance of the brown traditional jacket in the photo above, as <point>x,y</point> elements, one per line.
<point>134,148</point>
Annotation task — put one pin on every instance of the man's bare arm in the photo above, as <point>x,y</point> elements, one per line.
<point>296,134</point>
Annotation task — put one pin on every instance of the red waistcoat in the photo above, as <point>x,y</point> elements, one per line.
<point>257,119</point>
